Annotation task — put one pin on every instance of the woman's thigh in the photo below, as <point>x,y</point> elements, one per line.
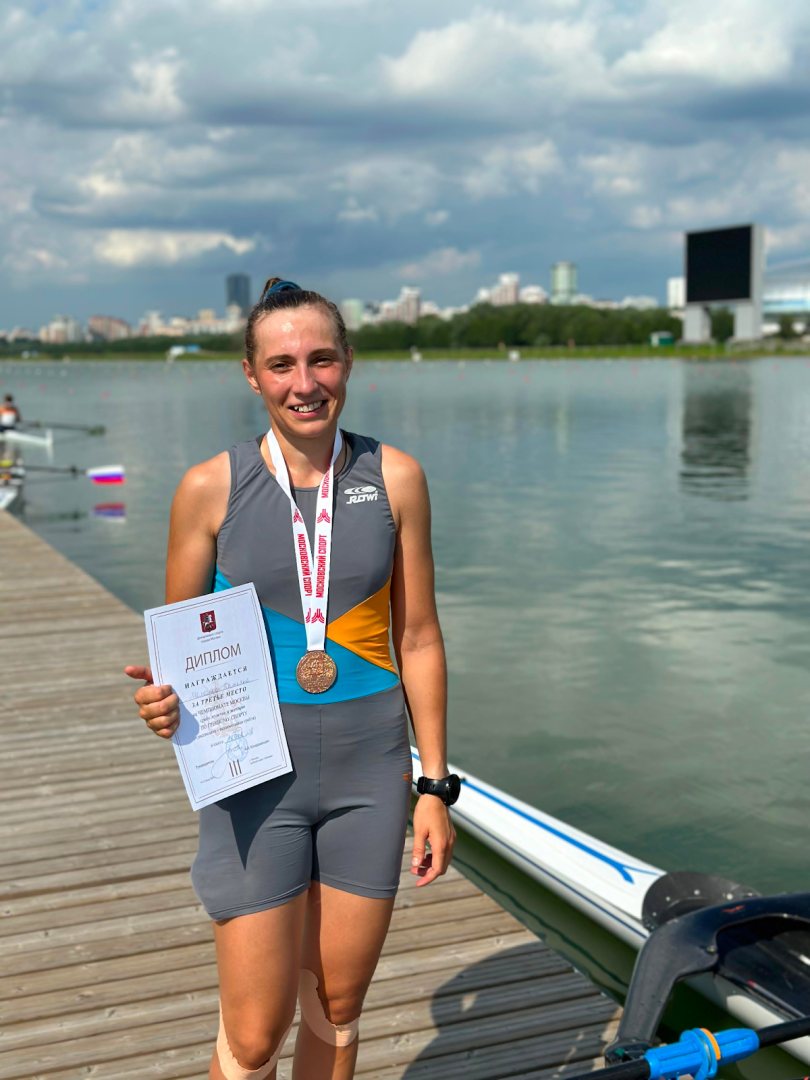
<point>258,959</point>
<point>343,937</point>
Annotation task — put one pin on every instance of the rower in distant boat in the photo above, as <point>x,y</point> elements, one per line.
<point>9,414</point>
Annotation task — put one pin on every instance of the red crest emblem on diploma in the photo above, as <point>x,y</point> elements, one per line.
<point>208,621</point>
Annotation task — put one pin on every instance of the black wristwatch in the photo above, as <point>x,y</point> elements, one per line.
<point>447,790</point>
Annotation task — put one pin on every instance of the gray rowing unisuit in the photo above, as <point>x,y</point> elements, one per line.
<point>340,816</point>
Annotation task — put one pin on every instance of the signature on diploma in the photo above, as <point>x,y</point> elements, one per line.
<point>237,749</point>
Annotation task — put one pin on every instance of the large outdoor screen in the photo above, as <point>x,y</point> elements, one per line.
<point>718,265</point>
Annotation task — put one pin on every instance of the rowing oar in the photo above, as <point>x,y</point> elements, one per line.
<point>97,429</point>
<point>700,1054</point>
<point>101,474</point>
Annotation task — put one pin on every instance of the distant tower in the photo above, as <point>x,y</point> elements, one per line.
<point>408,304</point>
<point>507,291</point>
<point>563,282</point>
<point>237,291</point>
<point>352,312</point>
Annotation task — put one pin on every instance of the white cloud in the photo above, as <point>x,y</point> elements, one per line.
<point>153,91</point>
<point>443,261</point>
<point>505,169</point>
<point>620,171</point>
<point>354,213</point>
<point>154,247</point>
<point>732,42</point>
<point>646,217</point>
<point>435,218</point>
<point>140,132</point>
<point>490,53</point>
<point>396,184</point>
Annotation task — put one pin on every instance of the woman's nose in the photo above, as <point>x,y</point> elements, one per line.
<point>303,382</point>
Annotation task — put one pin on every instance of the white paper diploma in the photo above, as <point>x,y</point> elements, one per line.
<point>213,652</point>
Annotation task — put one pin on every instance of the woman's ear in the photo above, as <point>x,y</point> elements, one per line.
<point>250,375</point>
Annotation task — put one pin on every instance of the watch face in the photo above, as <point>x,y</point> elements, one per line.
<point>454,788</point>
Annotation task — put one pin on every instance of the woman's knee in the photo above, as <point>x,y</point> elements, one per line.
<point>253,1040</point>
<point>332,1013</point>
<point>344,1005</point>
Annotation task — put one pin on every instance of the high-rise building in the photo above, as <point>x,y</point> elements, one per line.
<point>237,291</point>
<point>533,294</point>
<point>352,312</point>
<point>408,304</point>
<point>563,282</point>
<point>676,293</point>
<point>63,330</point>
<point>506,291</point>
<point>108,328</point>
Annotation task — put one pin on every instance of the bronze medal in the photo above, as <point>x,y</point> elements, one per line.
<point>316,672</point>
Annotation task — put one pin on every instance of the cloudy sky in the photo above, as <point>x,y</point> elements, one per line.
<point>149,147</point>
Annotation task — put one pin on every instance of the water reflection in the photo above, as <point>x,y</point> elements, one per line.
<point>716,452</point>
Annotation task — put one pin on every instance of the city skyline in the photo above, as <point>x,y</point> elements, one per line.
<point>147,151</point>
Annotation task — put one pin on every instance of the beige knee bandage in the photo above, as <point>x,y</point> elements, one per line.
<point>231,1067</point>
<point>315,1017</point>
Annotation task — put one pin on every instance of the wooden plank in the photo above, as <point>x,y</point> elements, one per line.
<point>374,1052</point>
<point>108,962</point>
<point>420,1014</point>
<point>514,964</point>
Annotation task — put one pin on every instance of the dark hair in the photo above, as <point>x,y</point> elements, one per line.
<point>291,298</point>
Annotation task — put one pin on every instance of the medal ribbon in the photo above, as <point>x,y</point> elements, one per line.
<point>313,575</point>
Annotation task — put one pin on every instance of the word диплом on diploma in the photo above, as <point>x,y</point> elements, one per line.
<point>213,652</point>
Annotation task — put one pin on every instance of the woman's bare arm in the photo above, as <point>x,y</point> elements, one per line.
<point>419,650</point>
<point>198,510</point>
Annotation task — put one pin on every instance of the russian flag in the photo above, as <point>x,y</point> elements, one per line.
<point>107,474</point>
<point>116,511</point>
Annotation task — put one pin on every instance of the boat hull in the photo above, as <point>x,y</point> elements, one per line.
<point>604,883</point>
<point>8,496</point>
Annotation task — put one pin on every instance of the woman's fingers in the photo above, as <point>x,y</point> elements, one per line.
<point>161,710</point>
<point>441,836</point>
<point>149,696</point>
<point>137,672</point>
<point>157,705</point>
<point>418,853</point>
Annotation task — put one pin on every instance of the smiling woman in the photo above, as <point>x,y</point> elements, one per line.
<point>299,874</point>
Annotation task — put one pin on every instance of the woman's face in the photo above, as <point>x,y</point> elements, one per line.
<point>299,370</point>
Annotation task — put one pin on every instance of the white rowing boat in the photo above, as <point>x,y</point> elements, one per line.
<point>605,883</point>
<point>12,477</point>
<point>8,495</point>
<point>28,438</point>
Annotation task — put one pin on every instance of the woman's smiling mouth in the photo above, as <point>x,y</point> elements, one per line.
<point>309,407</point>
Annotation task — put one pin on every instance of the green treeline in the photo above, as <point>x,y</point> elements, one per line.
<point>521,324</point>
<point>134,346</point>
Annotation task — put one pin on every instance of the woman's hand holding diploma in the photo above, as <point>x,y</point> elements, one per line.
<point>157,705</point>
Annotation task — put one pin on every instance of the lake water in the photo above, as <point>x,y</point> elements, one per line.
<point>623,570</point>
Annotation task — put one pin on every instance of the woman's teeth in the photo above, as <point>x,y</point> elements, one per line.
<point>313,405</point>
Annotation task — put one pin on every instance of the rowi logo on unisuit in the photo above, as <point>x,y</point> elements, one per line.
<point>360,494</point>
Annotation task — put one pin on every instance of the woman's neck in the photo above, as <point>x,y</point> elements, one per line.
<point>307,459</point>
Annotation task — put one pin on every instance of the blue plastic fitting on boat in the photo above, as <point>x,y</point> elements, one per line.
<point>699,1053</point>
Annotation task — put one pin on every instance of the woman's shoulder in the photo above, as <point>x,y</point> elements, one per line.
<point>405,483</point>
<point>208,482</point>
<point>397,466</point>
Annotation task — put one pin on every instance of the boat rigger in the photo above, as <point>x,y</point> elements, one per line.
<point>760,969</point>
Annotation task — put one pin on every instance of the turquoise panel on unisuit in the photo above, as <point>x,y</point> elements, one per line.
<point>288,642</point>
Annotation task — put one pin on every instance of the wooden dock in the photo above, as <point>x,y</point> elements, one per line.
<point>106,958</point>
